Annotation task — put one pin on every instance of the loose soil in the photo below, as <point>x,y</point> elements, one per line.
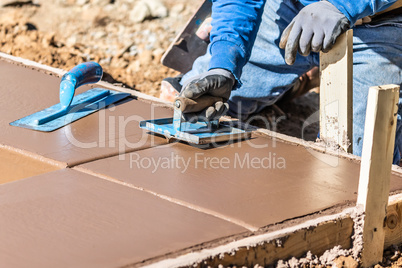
<point>64,33</point>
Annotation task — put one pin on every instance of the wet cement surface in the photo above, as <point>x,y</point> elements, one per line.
<point>69,219</point>
<point>14,166</point>
<point>107,132</point>
<point>257,182</point>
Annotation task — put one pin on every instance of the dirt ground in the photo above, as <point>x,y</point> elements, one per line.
<point>63,33</point>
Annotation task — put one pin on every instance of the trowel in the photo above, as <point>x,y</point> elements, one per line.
<point>73,108</point>
<point>200,132</point>
<point>188,44</point>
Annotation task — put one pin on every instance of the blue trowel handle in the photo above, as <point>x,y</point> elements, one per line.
<point>84,73</point>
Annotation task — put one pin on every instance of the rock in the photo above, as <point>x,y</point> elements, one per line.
<point>105,61</point>
<point>101,20</point>
<point>133,50</point>
<point>6,3</point>
<point>7,48</point>
<point>281,264</point>
<point>82,2</point>
<point>118,63</point>
<point>9,18</point>
<point>99,34</point>
<point>148,9</point>
<point>71,41</point>
<point>100,2</point>
<point>345,262</point>
<point>293,263</point>
<point>396,255</point>
<point>109,8</point>
<point>22,41</point>
<point>133,67</point>
<point>177,9</point>
<point>140,12</point>
<point>34,36</point>
<point>145,57</point>
<point>157,8</point>
<point>157,54</point>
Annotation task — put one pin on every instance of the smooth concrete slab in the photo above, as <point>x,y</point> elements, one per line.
<point>104,133</point>
<point>70,219</point>
<point>15,166</point>
<point>258,182</point>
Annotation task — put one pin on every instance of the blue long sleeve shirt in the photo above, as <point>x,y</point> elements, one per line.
<point>235,24</point>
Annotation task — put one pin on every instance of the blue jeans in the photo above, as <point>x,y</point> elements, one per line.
<point>377,60</point>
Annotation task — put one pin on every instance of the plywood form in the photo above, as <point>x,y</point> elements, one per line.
<point>25,91</point>
<point>250,196</point>
<point>70,219</point>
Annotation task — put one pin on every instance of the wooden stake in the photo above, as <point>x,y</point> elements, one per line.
<point>375,171</point>
<point>336,93</point>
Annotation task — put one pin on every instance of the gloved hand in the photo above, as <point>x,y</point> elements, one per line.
<point>216,82</point>
<point>315,28</point>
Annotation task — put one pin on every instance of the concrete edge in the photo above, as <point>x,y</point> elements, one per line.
<point>337,223</point>
<point>198,257</point>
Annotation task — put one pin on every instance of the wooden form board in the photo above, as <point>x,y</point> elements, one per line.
<point>393,223</point>
<point>336,93</point>
<point>316,240</point>
<point>266,249</point>
<point>375,171</point>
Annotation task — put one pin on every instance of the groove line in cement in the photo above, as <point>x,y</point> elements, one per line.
<point>173,200</point>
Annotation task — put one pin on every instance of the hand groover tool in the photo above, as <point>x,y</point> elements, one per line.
<point>199,132</point>
<point>73,108</point>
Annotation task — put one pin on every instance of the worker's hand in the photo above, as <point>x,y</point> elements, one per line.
<point>216,82</point>
<point>315,28</point>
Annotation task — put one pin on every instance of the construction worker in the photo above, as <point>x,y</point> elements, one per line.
<point>259,49</point>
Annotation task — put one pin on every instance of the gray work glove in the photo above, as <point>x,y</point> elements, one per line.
<point>216,82</point>
<point>315,28</point>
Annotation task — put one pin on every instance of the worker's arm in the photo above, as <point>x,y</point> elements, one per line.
<point>318,25</point>
<point>357,9</point>
<point>234,28</point>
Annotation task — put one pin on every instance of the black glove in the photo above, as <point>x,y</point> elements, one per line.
<point>216,82</point>
<point>315,28</point>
